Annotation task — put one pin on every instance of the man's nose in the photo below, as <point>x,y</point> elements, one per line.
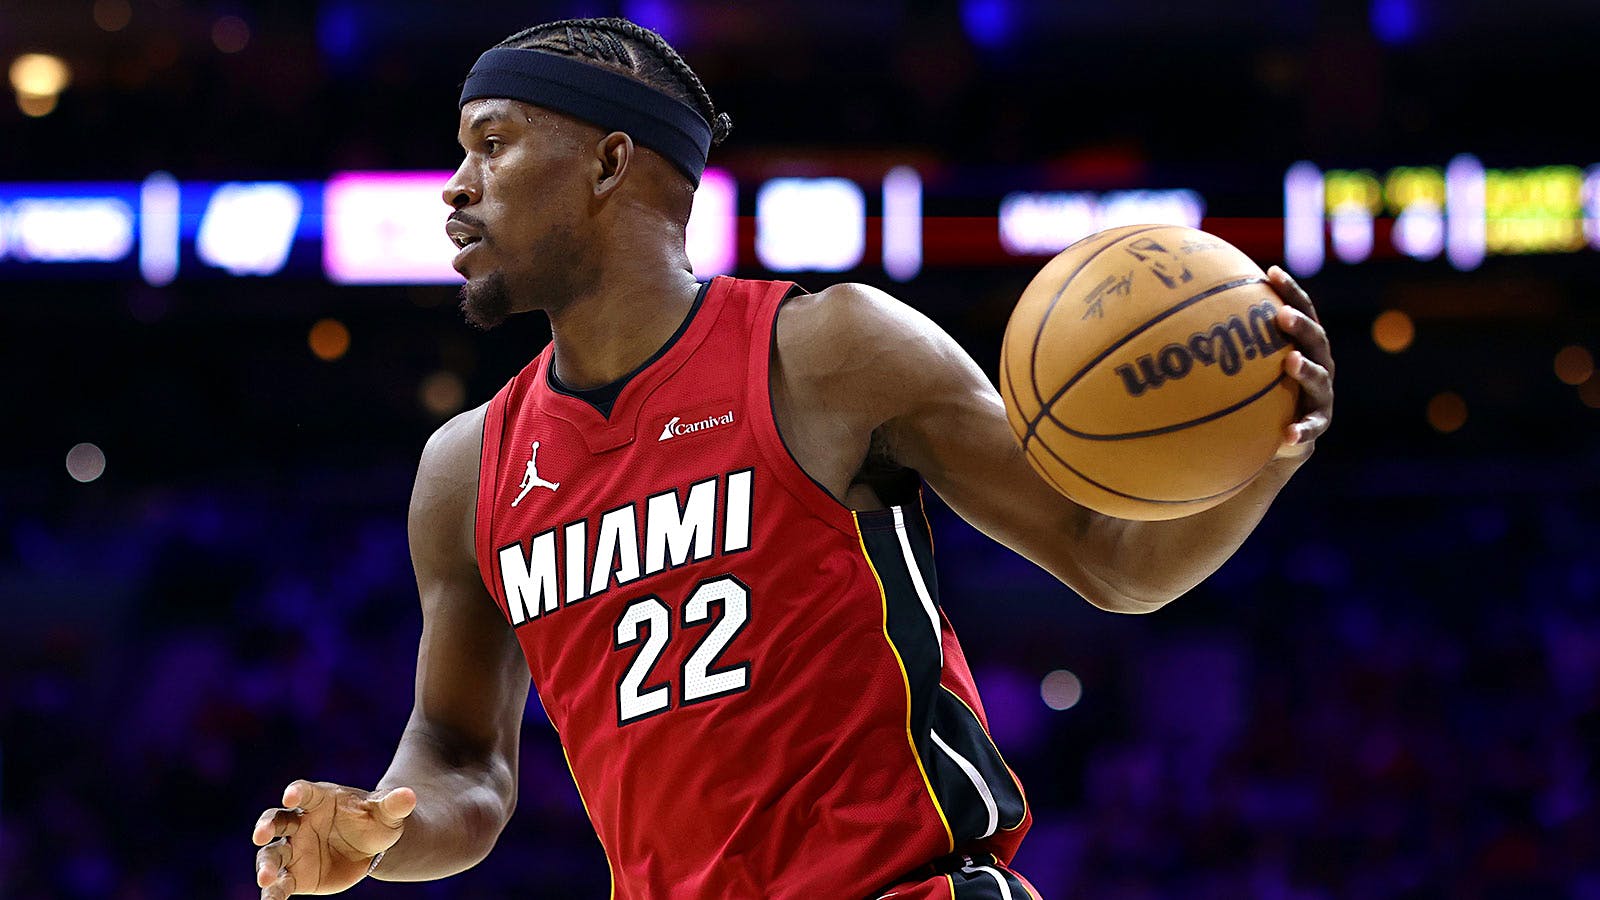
<point>460,192</point>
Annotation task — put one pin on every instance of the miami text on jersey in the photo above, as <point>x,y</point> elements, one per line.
<point>544,574</point>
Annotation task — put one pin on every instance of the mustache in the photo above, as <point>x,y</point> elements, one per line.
<point>467,219</point>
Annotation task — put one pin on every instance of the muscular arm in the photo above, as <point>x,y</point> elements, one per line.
<point>854,362</point>
<point>459,750</point>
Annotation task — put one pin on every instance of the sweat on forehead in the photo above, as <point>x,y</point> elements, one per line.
<point>491,110</point>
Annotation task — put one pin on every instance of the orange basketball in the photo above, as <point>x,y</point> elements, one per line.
<point>1142,371</point>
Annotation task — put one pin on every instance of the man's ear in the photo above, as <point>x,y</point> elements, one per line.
<point>615,153</point>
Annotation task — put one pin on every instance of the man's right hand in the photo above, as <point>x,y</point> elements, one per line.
<point>324,837</point>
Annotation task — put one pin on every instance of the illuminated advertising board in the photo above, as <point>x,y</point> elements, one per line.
<point>384,227</point>
<point>160,229</point>
<point>387,228</point>
<point>251,228</point>
<point>1462,211</point>
<point>74,229</point>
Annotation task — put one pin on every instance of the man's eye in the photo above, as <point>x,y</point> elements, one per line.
<point>492,144</point>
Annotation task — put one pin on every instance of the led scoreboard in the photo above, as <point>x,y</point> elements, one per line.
<point>1463,211</point>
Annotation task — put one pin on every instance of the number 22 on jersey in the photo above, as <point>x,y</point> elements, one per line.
<point>647,621</point>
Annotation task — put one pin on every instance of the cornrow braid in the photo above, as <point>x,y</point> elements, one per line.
<point>632,49</point>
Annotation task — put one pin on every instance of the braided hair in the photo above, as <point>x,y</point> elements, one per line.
<point>632,49</point>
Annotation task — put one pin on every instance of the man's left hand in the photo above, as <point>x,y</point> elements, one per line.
<point>1310,364</point>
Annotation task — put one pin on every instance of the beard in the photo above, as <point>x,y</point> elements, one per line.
<point>486,302</point>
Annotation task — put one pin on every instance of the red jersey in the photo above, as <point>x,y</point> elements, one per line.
<point>756,690</point>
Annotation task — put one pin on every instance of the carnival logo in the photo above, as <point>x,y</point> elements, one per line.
<point>677,427</point>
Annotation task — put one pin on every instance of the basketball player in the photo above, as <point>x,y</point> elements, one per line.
<point>718,571</point>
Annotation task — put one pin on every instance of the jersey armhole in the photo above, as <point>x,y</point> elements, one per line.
<point>786,469</point>
<point>488,490</point>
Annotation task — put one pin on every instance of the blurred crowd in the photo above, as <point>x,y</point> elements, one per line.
<point>1373,699</point>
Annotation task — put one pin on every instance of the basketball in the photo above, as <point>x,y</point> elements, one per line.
<point>1142,372</point>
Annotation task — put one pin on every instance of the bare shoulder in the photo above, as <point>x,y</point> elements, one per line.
<point>845,317</point>
<point>453,450</point>
<point>444,498</point>
<point>867,339</point>
<point>857,336</point>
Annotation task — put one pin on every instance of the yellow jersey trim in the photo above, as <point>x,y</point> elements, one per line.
<point>611,871</point>
<point>905,680</point>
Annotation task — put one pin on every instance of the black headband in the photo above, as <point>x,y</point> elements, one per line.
<point>598,96</point>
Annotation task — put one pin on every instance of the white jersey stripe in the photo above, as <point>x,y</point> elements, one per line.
<point>971,772</point>
<point>916,579</point>
<point>1005,889</point>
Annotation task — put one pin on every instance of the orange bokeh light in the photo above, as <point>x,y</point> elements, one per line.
<point>1447,412</point>
<point>35,107</point>
<point>1574,365</point>
<point>1589,393</point>
<point>442,393</point>
<point>329,339</point>
<point>1393,331</point>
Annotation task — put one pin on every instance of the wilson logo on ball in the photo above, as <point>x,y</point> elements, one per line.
<point>1225,345</point>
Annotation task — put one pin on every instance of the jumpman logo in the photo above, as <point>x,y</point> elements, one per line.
<point>532,480</point>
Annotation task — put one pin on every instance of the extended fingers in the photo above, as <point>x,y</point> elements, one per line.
<point>1315,380</point>
<point>1310,364</point>
<point>1316,403</point>
<point>1291,292</point>
<point>275,823</point>
<point>1308,335</point>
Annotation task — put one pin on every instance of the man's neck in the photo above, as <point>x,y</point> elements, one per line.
<point>627,313</point>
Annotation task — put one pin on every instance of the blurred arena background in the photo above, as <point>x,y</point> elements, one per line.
<point>229,326</point>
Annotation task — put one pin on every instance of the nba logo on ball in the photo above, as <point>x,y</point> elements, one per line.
<point>1142,372</point>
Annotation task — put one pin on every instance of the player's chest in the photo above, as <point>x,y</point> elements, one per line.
<point>563,458</point>
<point>587,504</point>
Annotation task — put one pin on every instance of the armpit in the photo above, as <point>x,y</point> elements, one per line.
<point>892,482</point>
